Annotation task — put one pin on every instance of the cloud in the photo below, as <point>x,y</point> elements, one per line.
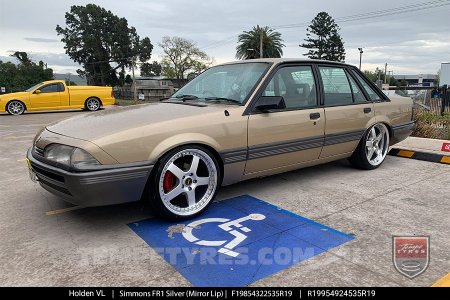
<point>411,43</point>
<point>41,40</point>
<point>59,62</point>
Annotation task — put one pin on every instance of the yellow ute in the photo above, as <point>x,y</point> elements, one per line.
<point>55,94</point>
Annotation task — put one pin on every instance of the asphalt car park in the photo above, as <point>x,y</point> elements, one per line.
<point>45,241</point>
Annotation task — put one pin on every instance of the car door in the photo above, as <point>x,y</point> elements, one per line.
<point>347,110</point>
<point>64,99</point>
<point>49,97</point>
<point>287,136</point>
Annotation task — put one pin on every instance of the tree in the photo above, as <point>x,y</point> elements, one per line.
<point>323,39</point>
<point>23,75</point>
<point>182,57</point>
<point>151,69</point>
<point>372,76</point>
<point>249,43</point>
<point>96,38</point>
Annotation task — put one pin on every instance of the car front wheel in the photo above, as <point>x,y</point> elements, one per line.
<point>15,108</point>
<point>185,182</point>
<point>372,149</point>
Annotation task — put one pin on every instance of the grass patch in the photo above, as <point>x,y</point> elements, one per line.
<point>126,102</point>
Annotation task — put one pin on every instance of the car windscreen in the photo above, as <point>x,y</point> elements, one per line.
<point>34,87</point>
<point>234,81</point>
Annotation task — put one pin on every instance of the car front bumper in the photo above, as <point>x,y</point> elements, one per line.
<point>121,184</point>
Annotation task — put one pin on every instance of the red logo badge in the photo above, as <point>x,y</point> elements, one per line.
<point>446,147</point>
<point>411,254</point>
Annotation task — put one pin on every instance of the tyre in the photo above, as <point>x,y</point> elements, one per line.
<point>15,107</point>
<point>92,104</point>
<point>372,149</point>
<point>185,182</point>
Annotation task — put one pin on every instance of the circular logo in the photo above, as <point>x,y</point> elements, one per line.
<point>188,181</point>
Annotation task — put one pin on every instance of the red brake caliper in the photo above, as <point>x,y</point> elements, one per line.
<point>168,182</point>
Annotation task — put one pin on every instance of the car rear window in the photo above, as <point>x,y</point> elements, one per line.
<point>369,90</point>
<point>336,87</point>
<point>358,95</point>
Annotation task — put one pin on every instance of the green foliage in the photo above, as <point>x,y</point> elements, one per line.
<point>182,57</point>
<point>249,43</point>
<point>323,39</point>
<point>25,74</point>
<point>70,83</point>
<point>151,69</point>
<point>94,37</point>
<point>372,76</point>
<point>432,126</point>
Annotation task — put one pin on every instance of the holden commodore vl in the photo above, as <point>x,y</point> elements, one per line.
<point>233,122</point>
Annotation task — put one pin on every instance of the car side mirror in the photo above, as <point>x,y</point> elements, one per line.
<point>267,104</point>
<point>37,92</point>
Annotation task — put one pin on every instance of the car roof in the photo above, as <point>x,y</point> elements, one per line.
<point>53,81</point>
<point>284,60</point>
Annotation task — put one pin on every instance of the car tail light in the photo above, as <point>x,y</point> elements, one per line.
<point>113,95</point>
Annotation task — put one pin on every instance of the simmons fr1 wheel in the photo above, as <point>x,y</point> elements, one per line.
<point>372,149</point>
<point>185,182</point>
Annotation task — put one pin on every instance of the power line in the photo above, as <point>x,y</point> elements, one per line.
<point>351,18</point>
<point>378,14</point>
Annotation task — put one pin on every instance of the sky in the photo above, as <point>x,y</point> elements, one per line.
<point>410,41</point>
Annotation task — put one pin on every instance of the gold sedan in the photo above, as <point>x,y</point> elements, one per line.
<point>233,122</point>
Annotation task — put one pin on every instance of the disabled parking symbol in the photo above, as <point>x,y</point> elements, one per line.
<point>237,241</point>
<point>234,227</point>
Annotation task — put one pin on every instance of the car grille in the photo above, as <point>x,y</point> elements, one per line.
<point>51,180</point>
<point>59,188</point>
<point>48,174</point>
<point>39,151</point>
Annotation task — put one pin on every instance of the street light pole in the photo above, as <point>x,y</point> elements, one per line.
<point>134,82</point>
<point>360,56</point>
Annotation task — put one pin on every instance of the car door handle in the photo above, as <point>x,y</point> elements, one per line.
<point>314,116</point>
<point>367,110</point>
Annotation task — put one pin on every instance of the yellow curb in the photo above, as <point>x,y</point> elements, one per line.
<point>405,153</point>
<point>445,159</point>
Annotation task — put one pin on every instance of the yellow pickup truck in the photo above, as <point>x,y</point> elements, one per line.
<point>55,94</point>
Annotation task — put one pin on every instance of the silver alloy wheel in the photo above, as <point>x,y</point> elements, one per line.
<point>16,107</point>
<point>377,144</point>
<point>93,104</point>
<point>188,182</point>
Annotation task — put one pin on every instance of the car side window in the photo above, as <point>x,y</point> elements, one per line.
<point>335,86</point>
<point>358,95</point>
<point>49,88</point>
<point>369,90</point>
<point>295,84</point>
<point>61,87</point>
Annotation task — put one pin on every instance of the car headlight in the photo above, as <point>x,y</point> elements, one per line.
<point>69,156</point>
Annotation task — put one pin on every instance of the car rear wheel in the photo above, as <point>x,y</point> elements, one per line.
<point>15,108</point>
<point>185,182</point>
<point>372,149</point>
<point>92,104</point>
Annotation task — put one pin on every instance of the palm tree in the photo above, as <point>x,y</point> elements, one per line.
<point>249,43</point>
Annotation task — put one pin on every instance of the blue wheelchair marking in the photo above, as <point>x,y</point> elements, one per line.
<point>237,241</point>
